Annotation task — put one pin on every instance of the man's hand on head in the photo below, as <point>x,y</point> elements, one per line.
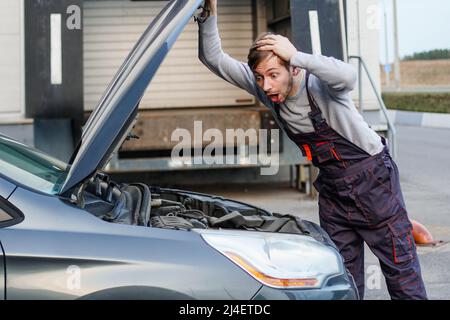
<point>280,45</point>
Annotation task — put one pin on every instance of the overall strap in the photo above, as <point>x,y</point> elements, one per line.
<point>315,115</point>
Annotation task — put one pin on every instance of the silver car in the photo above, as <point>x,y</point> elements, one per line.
<point>67,231</point>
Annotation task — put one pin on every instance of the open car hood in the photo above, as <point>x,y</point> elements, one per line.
<point>113,118</point>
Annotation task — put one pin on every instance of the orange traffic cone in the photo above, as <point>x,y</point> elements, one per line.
<point>421,234</point>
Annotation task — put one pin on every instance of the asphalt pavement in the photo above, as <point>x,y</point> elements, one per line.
<point>424,164</point>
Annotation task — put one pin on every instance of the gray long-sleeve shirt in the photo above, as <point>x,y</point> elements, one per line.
<point>330,82</point>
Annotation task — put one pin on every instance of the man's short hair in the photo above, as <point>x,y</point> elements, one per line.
<point>255,56</point>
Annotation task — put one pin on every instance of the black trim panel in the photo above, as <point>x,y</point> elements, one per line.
<point>16,215</point>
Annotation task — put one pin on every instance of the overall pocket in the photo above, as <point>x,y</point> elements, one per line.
<point>326,152</point>
<point>374,195</point>
<point>322,152</point>
<point>402,239</point>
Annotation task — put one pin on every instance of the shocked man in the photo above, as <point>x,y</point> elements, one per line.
<point>360,199</point>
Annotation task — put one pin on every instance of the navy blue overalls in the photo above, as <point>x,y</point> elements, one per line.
<point>360,200</point>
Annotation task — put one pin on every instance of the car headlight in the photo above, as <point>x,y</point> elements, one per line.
<point>277,260</point>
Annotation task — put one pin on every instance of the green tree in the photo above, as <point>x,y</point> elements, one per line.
<point>429,55</point>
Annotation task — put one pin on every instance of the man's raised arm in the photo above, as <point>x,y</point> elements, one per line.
<point>337,75</point>
<point>212,56</point>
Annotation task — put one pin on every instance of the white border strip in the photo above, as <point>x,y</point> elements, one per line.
<point>55,49</point>
<point>343,30</point>
<point>315,32</point>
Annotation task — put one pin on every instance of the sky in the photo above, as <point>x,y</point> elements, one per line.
<point>422,25</point>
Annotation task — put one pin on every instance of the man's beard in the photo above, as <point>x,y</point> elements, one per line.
<point>290,85</point>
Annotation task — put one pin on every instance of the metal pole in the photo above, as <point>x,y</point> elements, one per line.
<point>387,74</point>
<point>396,49</point>
<point>392,132</point>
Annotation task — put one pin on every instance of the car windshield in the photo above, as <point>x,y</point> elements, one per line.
<point>31,167</point>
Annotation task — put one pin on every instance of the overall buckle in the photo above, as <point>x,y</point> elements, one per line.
<point>317,119</point>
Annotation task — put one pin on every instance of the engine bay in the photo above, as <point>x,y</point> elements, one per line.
<point>155,207</point>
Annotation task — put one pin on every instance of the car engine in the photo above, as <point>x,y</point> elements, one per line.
<point>139,204</point>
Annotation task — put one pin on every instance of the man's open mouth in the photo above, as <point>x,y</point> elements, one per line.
<point>274,98</point>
